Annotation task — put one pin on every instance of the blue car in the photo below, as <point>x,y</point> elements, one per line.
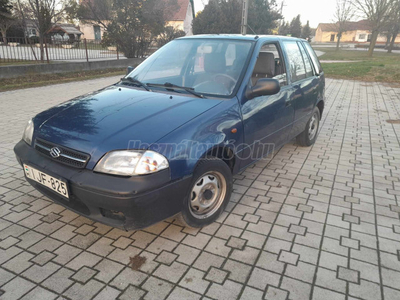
<point>168,137</point>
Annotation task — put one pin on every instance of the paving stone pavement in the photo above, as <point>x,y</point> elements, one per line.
<point>312,223</point>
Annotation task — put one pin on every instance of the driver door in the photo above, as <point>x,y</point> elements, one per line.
<point>267,120</point>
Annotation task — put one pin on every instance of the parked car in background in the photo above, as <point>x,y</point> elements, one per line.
<point>168,138</point>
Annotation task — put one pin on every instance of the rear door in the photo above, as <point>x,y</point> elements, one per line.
<point>305,81</point>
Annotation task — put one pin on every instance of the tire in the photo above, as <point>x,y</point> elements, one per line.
<point>209,193</point>
<point>310,133</point>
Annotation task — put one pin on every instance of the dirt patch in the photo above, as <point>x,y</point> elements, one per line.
<point>393,121</point>
<point>380,111</point>
<point>136,262</point>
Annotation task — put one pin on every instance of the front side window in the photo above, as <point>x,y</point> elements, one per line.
<point>296,63</point>
<point>209,66</point>
<point>269,65</point>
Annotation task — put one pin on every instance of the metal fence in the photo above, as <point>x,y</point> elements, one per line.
<point>28,50</point>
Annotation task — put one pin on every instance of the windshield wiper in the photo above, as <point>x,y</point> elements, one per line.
<point>135,82</point>
<point>170,86</point>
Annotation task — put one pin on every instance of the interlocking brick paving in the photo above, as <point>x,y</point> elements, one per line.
<point>311,223</point>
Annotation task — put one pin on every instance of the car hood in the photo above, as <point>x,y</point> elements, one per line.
<point>117,118</point>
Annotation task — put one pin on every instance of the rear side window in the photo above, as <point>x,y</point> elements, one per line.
<point>313,56</point>
<point>296,63</point>
<point>307,62</point>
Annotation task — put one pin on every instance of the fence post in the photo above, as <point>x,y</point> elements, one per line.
<point>47,51</point>
<point>117,52</point>
<point>87,56</point>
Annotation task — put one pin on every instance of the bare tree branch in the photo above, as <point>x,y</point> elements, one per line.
<point>377,12</point>
<point>343,15</point>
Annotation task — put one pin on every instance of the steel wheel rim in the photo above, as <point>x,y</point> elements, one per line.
<point>313,127</point>
<point>207,195</point>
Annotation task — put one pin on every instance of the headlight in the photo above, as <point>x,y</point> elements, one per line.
<point>131,162</point>
<point>28,133</point>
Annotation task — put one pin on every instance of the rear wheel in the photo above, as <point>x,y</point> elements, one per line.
<point>310,133</point>
<point>209,193</point>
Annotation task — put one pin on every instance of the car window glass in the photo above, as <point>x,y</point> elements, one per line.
<point>210,66</point>
<point>269,65</point>
<point>168,65</point>
<point>313,56</point>
<point>230,55</point>
<point>307,62</point>
<point>297,69</point>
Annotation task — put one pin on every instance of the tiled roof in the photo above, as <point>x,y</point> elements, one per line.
<point>180,14</point>
<point>67,28</point>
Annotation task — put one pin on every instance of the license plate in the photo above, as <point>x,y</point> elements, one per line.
<point>57,185</point>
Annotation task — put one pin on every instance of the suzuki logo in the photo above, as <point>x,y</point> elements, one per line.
<point>55,152</point>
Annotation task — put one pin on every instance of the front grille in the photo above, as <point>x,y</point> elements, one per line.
<point>67,156</point>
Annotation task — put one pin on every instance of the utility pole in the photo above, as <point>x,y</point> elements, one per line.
<point>281,12</point>
<point>245,13</point>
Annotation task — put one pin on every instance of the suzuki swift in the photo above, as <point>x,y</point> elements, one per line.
<point>168,137</point>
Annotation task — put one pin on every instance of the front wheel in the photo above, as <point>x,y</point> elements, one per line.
<point>209,193</point>
<point>309,135</point>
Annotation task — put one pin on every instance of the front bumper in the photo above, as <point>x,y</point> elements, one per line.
<point>126,202</point>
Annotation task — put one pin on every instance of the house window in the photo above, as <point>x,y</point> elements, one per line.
<point>361,37</point>
<point>369,37</point>
<point>97,32</point>
<point>332,37</point>
<point>31,32</point>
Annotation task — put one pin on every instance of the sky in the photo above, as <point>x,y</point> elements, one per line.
<point>316,11</point>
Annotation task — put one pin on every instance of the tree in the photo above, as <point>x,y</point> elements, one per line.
<point>263,16</point>
<point>132,25</point>
<point>295,27</point>
<point>344,13</point>
<point>224,16</point>
<point>43,14</point>
<point>284,29</point>
<point>218,16</point>
<point>170,33</point>
<point>393,25</point>
<point>306,31</point>
<point>377,13</point>
<point>6,18</point>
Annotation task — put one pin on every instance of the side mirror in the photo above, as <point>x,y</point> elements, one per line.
<point>129,69</point>
<point>263,87</point>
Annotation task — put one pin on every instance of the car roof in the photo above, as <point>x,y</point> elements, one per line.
<point>242,37</point>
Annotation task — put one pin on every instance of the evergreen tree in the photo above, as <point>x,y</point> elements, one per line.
<point>284,29</point>
<point>5,7</point>
<point>295,27</point>
<point>132,25</point>
<point>6,18</point>
<point>306,31</point>
<point>224,16</point>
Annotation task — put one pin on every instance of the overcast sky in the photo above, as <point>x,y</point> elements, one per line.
<point>316,11</point>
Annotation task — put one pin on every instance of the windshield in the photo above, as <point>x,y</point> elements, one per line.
<point>209,66</point>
